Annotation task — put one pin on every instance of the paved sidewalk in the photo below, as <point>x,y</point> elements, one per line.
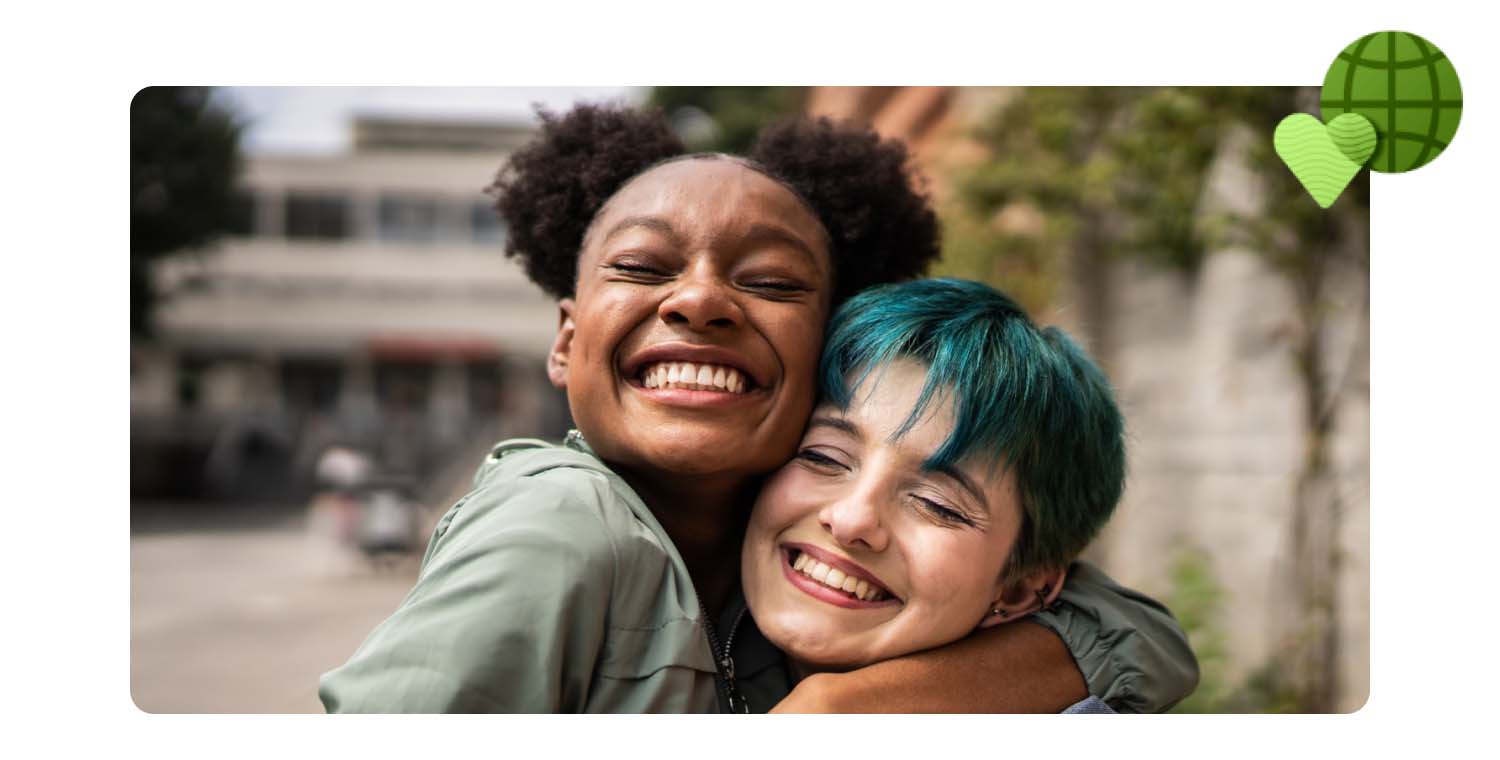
<point>233,615</point>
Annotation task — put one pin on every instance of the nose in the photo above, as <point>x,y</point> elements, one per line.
<point>701,299</point>
<point>854,521</point>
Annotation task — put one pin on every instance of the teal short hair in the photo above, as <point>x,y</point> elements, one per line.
<point>1028,397</point>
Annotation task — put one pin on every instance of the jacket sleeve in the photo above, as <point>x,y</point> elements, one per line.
<point>507,615</point>
<point>1131,651</point>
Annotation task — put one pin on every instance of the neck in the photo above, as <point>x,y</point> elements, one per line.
<point>705,517</point>
<point>800,669</point>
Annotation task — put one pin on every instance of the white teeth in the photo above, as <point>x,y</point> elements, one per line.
<point>836,578</point>
<point>689,376</point>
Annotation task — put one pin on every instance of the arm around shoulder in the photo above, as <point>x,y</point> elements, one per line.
<point>1129,648</point>
<point>508,614</point>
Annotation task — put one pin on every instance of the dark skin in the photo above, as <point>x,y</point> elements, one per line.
<point>710,262</point>
<point>1016,668</point>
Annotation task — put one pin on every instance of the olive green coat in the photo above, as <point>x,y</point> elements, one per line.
<point>552,588</point>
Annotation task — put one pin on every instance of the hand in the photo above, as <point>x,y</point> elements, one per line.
<point>814,694</point>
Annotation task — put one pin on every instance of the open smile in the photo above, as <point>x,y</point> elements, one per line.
<point>690,375</point>
<point>833,579</point>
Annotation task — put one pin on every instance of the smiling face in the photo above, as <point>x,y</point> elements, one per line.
<point>917,554</point>
<point>691,345</point>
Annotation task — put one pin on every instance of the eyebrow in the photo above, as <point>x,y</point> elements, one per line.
<point>653,223</point>
<point>963,480</point>
<point>758,232</point>
<point>837,423</point>
<point>761,231</point>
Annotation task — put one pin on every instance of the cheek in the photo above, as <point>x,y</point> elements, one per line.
<point>601,330</point>
<point>784,501</point>
<point>954,573</point>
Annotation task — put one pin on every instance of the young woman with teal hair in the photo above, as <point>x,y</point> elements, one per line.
<point>960,458</point>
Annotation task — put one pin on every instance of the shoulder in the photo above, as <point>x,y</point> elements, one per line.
<point>533,498</point>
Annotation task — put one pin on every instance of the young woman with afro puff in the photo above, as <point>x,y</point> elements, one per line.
<point>601,575</point>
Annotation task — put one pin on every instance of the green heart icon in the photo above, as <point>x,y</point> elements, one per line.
<point>1325,158</point>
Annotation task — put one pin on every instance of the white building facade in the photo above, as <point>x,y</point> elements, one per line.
<point>364,300</point>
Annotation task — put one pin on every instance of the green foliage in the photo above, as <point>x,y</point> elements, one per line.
<point>184,163</point>
<point>1197,599</point>
<point>1121,172</point>
<point>736,113</point>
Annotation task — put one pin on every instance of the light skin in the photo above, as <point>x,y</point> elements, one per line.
<point>931,545</point>
<point>708,261</point>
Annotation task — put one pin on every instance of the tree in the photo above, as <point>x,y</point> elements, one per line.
<point>725,118</point>
<point>1103,172</point>
<point>184,164</point>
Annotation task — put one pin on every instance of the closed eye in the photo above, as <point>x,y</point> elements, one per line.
<point>777,290</point>
<point>943,513</point>
<point>820,461</point>
<point>631,271</point>
<point>779,285</point>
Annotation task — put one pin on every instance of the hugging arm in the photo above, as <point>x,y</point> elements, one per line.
<point>1100,639</point>
<point>507,615</point>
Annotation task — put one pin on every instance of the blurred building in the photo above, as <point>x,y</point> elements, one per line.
<point>364,300</point>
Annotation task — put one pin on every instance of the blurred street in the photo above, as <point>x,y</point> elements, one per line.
<point>238,609</point>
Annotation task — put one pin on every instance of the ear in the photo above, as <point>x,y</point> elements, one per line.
<point>562,345</point>
<point>1021,598</point>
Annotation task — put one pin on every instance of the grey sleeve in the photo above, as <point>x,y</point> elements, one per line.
<point>1131,651</point>
<point>507,614</point>
<point>1092,705</point>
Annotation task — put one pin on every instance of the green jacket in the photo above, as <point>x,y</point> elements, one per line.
<point>551,587</point>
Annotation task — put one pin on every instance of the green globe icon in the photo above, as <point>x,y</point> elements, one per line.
<point>1406,87</point>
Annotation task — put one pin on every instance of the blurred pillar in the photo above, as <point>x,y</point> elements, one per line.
<point>357,409</point>
<point>270,213</point>
<point>364,216</point>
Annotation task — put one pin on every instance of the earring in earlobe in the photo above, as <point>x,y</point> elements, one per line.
<point>1041,596</point>
<point>1000,612</point>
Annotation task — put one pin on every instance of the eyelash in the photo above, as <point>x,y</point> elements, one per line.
<point>777,287</point>
<point>944,513</point>
<point>936,510</point>
<point>637,270</point>
<point>809,455</point>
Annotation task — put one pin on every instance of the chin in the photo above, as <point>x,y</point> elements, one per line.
<point>694,450</point>
<point>821,648</point>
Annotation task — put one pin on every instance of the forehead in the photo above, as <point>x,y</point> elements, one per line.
<point>710,195</point>
<point>886,399</point>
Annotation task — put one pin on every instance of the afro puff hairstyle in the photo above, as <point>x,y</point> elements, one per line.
<point>881,228</point>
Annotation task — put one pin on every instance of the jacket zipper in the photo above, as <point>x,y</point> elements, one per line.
<point>729,692</point>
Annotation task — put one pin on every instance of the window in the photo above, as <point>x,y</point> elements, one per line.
<point>403,385</point>
<point>486,383</point>
<point>486,222</point>
<point>408,218</point>
<point>317,216</point>
<point>311,385</point>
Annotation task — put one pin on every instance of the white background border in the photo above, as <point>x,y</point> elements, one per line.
<point>70,75</point>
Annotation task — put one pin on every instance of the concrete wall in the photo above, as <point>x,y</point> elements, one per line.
<point>1204,372</point>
